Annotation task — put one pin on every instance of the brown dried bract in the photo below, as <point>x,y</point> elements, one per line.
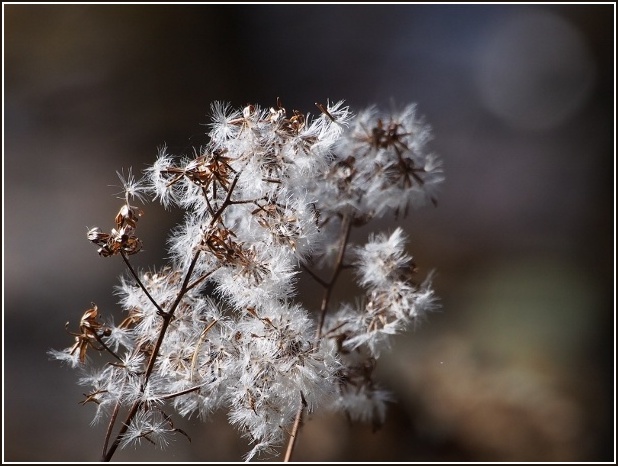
<point>91,332</point>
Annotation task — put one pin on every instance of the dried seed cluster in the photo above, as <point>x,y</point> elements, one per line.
<point>272,195</point>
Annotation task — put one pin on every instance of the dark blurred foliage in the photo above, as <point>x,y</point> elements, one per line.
<point>517,366</point>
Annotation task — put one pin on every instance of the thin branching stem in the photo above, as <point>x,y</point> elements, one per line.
<point>180,393</point>
<point>315,276</point>
<point>167,318</point>
<point>202,278</point>
<point>110,426</point>
<point>107,456</point>
<point>346,227</point>
<point>105,347</point>
<point>139,282</point>
<point>298,420</point>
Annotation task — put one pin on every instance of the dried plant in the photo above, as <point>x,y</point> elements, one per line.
<point>271,196</point>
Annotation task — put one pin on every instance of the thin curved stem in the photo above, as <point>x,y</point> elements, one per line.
<point>346,227</point>
<point>110,426</point>
<point>139,282</point>
<point>298,420</point>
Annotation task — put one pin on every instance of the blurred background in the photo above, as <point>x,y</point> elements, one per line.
<point>518,365</point>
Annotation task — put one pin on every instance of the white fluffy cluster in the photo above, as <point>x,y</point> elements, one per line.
<point>219,327</point>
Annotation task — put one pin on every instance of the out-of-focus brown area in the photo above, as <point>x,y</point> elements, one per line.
<point>518,365</point>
